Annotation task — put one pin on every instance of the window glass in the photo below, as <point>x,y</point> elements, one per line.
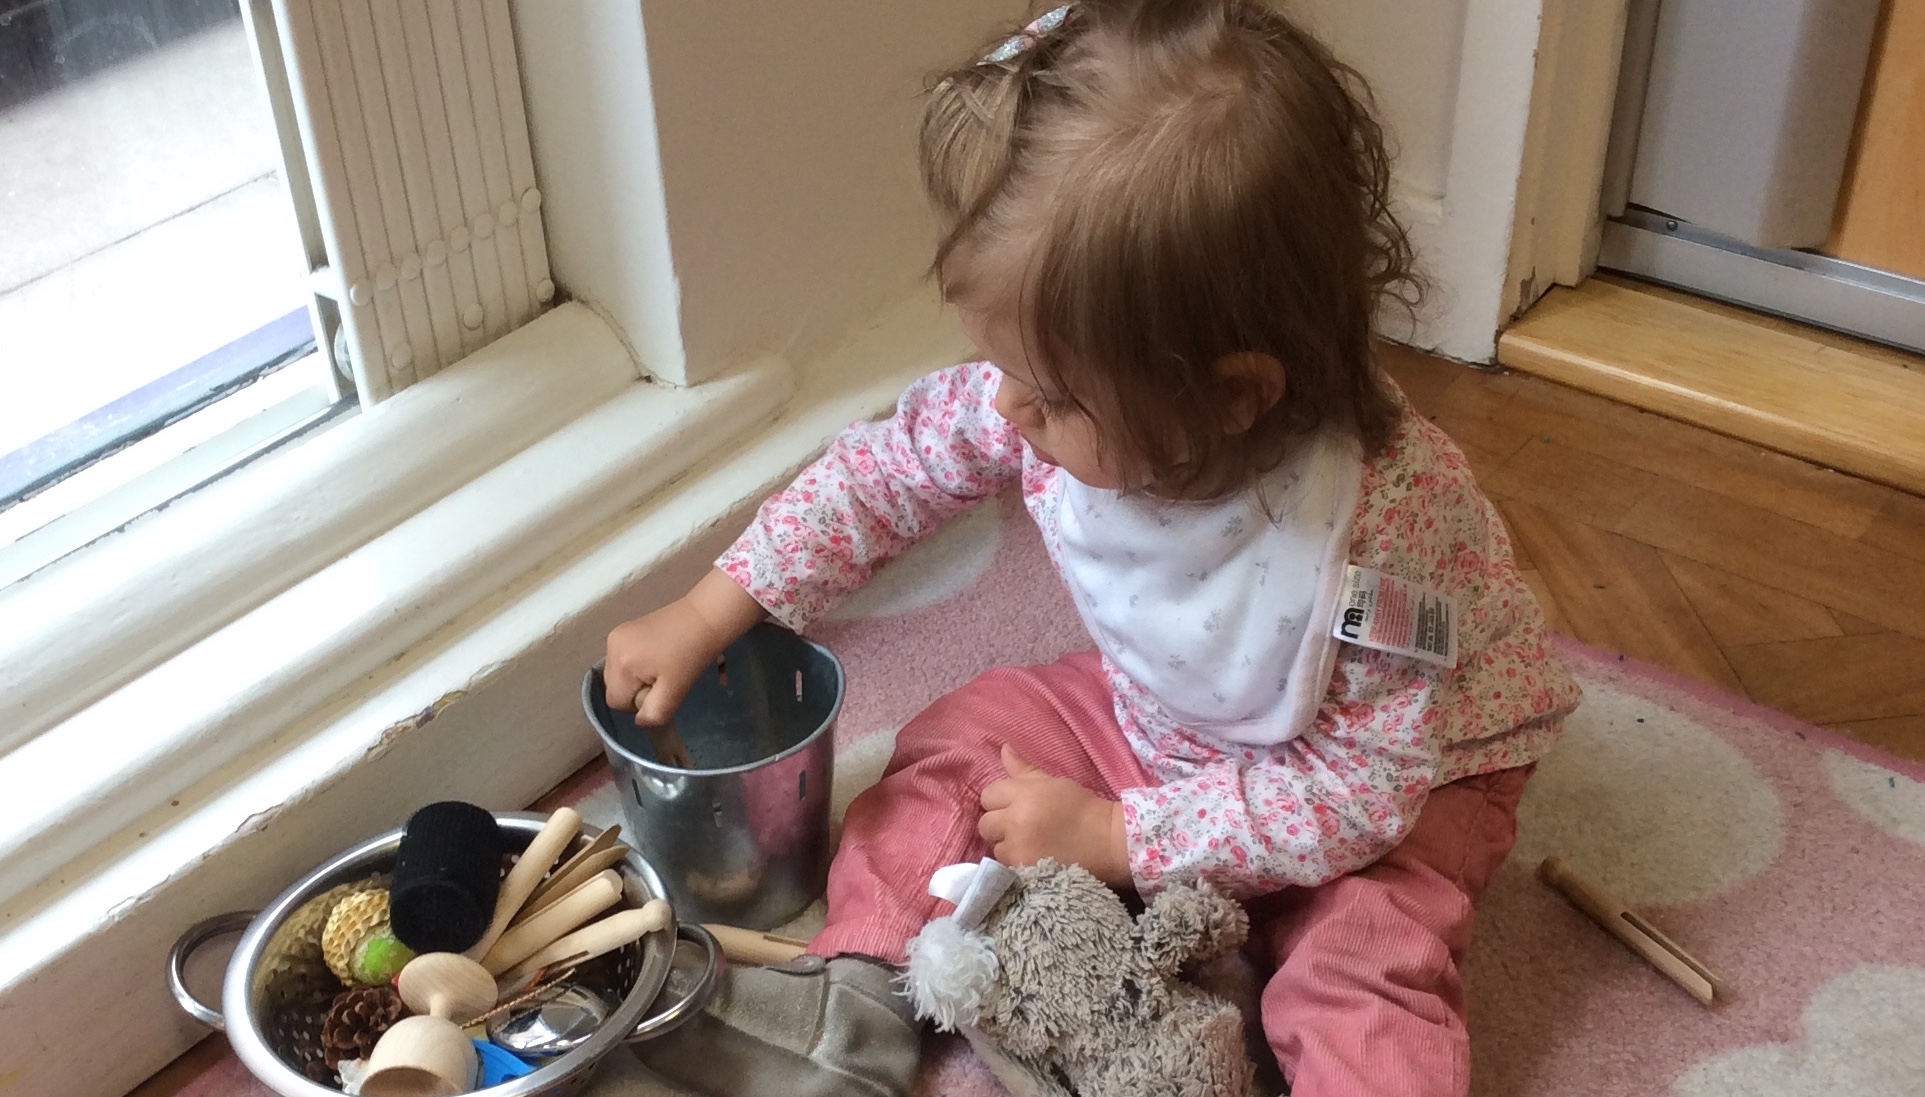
<point>149,259</point>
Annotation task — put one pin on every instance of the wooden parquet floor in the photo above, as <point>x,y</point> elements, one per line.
<point>1796,586</point>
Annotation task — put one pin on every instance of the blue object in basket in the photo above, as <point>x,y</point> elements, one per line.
<point>498,1064</point>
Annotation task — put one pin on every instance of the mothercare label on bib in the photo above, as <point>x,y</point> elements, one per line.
<point>1387,613</point>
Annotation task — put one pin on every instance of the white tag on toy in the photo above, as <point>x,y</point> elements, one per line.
<point>1386,613</point>
<point>951,882</point>
<point>975,889</point>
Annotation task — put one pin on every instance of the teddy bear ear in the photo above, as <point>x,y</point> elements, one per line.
<point>950,970</point>
<point>1193,923</point>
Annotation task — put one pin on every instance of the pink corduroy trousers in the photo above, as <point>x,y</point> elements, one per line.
<point>1365,997</point>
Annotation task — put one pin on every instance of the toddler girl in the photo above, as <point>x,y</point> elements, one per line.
<point>1166,228</point>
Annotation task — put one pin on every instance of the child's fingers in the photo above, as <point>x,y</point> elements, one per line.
<point>998,794</point>
<point>1015,766</point>
<point>993,827</point>
<point>657,702</point>
<point>619,686</point>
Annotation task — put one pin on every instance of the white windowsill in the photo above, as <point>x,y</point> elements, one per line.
<point>90,624</point>
<point>463,685</point>
<point>130,751</point>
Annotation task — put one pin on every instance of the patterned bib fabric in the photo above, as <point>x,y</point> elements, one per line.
<point>1220,610</point>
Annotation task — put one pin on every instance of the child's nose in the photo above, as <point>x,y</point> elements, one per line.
<point>1013,407</point>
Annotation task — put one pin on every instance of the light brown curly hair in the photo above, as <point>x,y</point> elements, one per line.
<point>1156,185</point>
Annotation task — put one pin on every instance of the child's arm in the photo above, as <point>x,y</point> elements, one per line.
<point>1327,803</point>
<point>879,489</point>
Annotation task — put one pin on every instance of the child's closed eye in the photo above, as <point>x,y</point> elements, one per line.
<point>1055,403</point>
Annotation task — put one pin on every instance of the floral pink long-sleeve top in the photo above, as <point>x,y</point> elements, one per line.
<point>1251,818</point>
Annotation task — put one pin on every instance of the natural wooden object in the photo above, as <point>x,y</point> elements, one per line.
<point>429,1055</point>
<point>602,861</point>
<point>548,844</point>
<point>570,873</point>
<point>1638,935</point>
<point>1810,396</point>
<point>747,946</point>
<point>598,938</point>
<point>1881,207</point>
<point>421,1057</point>
<point>595,895</point>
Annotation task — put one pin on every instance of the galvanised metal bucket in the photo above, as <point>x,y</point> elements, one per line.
<point>742,839</point>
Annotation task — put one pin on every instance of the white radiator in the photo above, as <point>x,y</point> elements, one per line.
<point>413,129</point>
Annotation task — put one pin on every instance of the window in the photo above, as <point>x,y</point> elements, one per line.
<point>154,306</point>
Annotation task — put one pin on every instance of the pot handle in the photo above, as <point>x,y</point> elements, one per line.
<point>679,1014</point>
<point>190,942</point>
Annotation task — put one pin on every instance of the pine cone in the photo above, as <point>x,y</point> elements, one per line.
<point>356,1020</point>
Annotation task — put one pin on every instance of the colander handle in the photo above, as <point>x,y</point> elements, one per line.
<point>677,1015</point>
<point>190,942</point>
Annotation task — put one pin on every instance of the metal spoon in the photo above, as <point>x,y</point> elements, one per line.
<point>558,1023</point>
<point>555,1025</point>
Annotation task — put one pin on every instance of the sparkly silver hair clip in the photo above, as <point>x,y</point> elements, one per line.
<point>1016,44</point>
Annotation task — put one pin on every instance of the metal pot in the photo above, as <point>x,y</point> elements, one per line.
<point>742,838</point>
<point>260,986</point>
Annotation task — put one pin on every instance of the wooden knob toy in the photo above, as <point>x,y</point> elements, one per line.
<point>429,1055</point>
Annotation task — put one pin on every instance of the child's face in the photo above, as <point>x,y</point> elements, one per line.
<point>1058,431</point>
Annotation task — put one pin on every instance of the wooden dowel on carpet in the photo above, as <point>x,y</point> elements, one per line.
<point>1637,934</point>
<point>747,946</point>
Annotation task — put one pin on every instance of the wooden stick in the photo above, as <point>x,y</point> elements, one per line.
<point>1637,934</point>
<point>567,913</point>
<point>592,940</point>
<point>747,946</point>
<point>670,750</point>
<point>570,873</point>
<point>542,850</point>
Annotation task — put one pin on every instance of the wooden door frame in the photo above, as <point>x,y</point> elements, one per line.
<point>1559,217</point>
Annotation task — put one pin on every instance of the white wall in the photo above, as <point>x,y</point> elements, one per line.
<point>1409,51</point>
<point>591,121</point>
<point>771,203</point>
<point>1453,84</point>
<point>788,149</point>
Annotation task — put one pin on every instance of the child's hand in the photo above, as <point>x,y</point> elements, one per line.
<point>666,651</point>
<point>1030,815</point>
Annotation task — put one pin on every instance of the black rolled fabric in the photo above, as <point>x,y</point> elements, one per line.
<point>446,875</point>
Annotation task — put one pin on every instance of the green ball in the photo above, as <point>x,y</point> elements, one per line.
<point>380,958</point>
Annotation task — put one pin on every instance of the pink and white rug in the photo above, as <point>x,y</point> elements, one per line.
<point>1789,860</point>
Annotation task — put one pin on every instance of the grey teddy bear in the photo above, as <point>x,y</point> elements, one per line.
<point>1063,993</point>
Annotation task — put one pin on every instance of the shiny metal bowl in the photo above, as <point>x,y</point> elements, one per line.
<point>272,983</point>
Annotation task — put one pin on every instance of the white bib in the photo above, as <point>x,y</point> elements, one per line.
<point>1220,611</point>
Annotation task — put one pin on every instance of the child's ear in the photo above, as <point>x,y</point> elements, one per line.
<point>1255,382</point>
